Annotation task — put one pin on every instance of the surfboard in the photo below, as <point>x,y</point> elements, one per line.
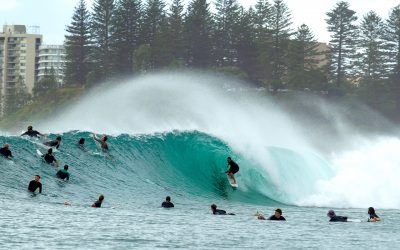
<point>39,153</point>
<point>234,185</point>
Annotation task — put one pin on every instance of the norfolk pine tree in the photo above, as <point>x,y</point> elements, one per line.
<point>77,46</point>
<point>102,31</point>
<point>343,41</point>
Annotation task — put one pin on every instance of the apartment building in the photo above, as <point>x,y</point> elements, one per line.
<point>19,61</point>
<point>51,61</point>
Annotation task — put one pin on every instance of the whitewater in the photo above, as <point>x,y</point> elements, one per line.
<point>170,134</point>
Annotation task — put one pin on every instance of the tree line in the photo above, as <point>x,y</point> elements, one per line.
<point>124,37</point>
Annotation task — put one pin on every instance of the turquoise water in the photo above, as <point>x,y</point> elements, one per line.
<point>170,134</point>
<point>189,167</point>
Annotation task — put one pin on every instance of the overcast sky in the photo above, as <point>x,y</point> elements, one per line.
<point>53,15</point>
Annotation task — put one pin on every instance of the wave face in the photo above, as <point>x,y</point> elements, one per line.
<point>171,134</point>
<point>188,164</point>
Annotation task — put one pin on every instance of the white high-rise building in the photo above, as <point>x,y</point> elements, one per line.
<point>51,60</point>
<point>19,61</point>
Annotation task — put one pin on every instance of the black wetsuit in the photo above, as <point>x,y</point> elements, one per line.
<point>373,216</point>
<point>33,185</point>
<point>219,212</point>
<point>97,203</point>
<point>274,218</point>
<point>234,167</point>
<point>5,152</point>
<point>31,133</point>
<point>49,158</point>
<point>338,219</point>
<point>54,143</point>
<point>63,174</point>
<point>167,204</point>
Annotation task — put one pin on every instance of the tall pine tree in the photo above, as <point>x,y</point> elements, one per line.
<point>77,46</point>
<point>246,45</point>
<point>176,32</point>
<point>371,44</point>
<point>393,45</point>
<point>225,38</point>
<point>153,32</point>
<point>127,27</point>
<point>343,40</point>
<point>303,70</point>
<point>263,40</point>
<point>198,30</point>
<point>281,20</point>
<point>102,30</point>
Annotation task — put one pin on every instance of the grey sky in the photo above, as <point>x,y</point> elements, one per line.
<point>53,15</point>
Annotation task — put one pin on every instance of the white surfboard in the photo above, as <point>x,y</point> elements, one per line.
<point>39,153</point>
<point>234,185</point>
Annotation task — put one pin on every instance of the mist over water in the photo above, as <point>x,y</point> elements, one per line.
<point>315,156</point>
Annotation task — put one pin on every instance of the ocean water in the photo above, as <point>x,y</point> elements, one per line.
<point>173,140</point>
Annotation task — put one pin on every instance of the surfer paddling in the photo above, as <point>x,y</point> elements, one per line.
<point>32,133</point>
<point>233,169</point>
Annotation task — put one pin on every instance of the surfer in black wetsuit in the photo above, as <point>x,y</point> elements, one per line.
<point>5,151</point>
<point>63,173</point>
<point>33,185</point>
<point>102,142</point>
<point>233,169</point>
<point>167,203</point>
<point>334,218</point>
<point>55,143</point>
<point>49,158</point>
<point>98,202</point>
<point>32,133</point>
<point>216,211</point>
<point>372,215</point>
<point>81,142</point>
<point>277,215</point>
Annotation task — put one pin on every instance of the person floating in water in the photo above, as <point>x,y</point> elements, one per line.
<point>372,215</point>
<point>102,142</point>
<point>32,133</point>
<point>167,203</point>
<point>49,158</point>
<point>5,151</point>
<point>81,142</point>
<point>98,202</point>
<point>55,143</point>
<point>233,169</point>
<point>33,185</point>
<point>334,218</point>
<point>216,211</point>
<point>63,173</point>
<point>277,215</point>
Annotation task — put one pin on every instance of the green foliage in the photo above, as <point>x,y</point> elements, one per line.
<point>281,32</point>
<point>343,39</point>
<point>16,97</point>
<point>102,34</point>
<point>48,104</point>
<point>371,47</point>
<point>142,58</point>
<point>198,34</point>
<point>303,72</point>
<point>127,23</point>
<point>226,32</point>
<point>175,31</point>
<point>48,82</point>
<point>77,46</point>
